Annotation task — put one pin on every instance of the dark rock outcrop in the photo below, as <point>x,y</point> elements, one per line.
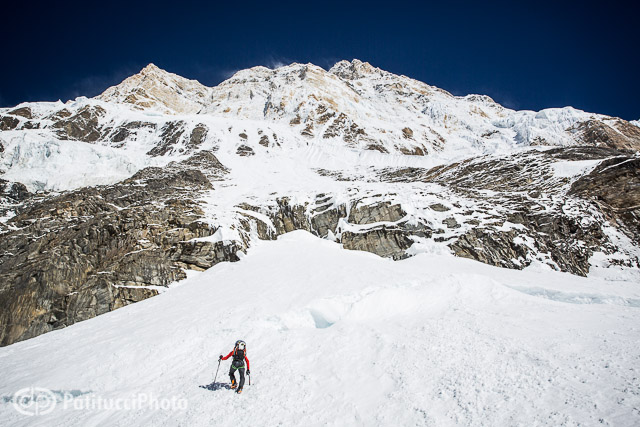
<point>613,133</point>
<point>342,126</point>
<point>491,247</point>
<point>379,212</point>
<point>82,126</point>
<point>22,112</point>
<point>325,217</point>
<point>614,186</point>
<point>245,151</point>
<point>383,241</point>
<point>289,217</point>
<point>93,250</point>
<point>171,133</point>
<point>383,231</point>
<point>16,192</point>
<point>129,130</point>
<point>198,136</point>
<point>8,123</point>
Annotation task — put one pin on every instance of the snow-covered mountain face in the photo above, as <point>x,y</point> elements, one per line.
<point>155,116</point>
<point>160,175</point>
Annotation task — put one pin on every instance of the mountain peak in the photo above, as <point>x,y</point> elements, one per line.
<point>153,69</point>
<point>156,88</point>
<point>354,69</point>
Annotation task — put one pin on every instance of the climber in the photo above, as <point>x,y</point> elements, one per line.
<point>239,354</point>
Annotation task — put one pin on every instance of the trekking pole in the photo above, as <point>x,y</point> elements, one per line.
<point>249,379</point>
<point>214,379</point>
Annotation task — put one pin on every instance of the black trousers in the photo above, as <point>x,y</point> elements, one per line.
<point>237,365</point>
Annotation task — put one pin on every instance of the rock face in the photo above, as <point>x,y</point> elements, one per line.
<point>564,242</point>
<point>613,133</point>
<point>524,210</point>
<point>368,214</point>
<point>388,243</point>
<point>614,186</point>
<point>90,251</point>
<point>491,247</point>
<point>170,134</point>
<point>8,123</point>
<point>13,192</point>
<point>82,126</point>
<point>325,216</point>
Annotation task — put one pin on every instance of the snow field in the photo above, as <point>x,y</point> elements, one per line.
<point>340,337</point>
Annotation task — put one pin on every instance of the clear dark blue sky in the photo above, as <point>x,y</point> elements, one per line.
<point>526,55</point>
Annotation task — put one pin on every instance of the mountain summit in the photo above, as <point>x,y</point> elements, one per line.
<point>154,88</point>
<point>370,109</point>
<point>355,69</point>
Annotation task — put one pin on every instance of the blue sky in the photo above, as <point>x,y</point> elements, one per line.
<point>526,55</point>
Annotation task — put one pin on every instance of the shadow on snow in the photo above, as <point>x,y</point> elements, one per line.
<point>216,386</point>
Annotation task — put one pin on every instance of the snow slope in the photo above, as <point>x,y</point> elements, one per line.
<point>341,337</point>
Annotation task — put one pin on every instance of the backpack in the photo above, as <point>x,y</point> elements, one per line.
<point>240,350</point>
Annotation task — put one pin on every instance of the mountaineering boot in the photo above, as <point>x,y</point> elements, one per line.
<point>239,391</point>
<point>233,384</point>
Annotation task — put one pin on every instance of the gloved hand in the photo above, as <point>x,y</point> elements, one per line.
<point>220,358</point>
<point>248,372</point>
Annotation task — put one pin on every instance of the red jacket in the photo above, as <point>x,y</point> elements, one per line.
<point>245,359</point>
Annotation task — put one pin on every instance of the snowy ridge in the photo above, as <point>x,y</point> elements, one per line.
<point>353,105</point>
